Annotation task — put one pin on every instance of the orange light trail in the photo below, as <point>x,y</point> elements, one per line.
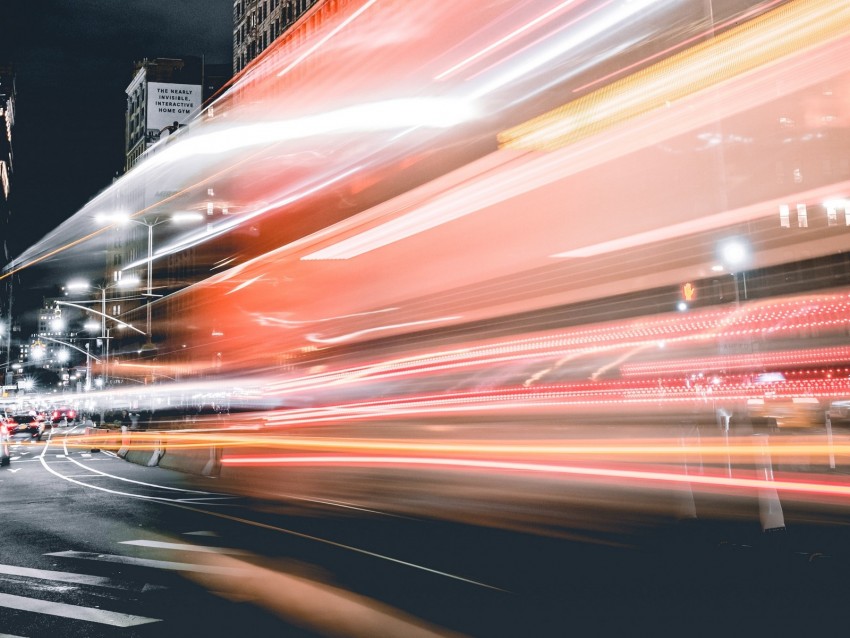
<point>665,449</point>
<point>670,478</point>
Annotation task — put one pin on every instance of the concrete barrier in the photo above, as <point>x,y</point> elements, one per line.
<point>204,461</point>
<point>145,454</point>
<point>5,458</point>
<point>89,431</point>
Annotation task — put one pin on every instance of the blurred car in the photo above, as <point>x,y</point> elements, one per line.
<point>69,415</point>
<point>787,412</point>
<point>25,424</point>
<point>839,412</point>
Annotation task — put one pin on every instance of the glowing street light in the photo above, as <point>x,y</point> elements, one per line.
<point>735,255</point>
<point>80,285</point>
<point>38,352</point>
<point>120,218</point>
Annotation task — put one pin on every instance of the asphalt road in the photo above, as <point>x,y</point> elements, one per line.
<point>95,546</point>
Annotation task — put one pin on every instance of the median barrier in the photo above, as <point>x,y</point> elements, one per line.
<point>143,454</point>
<point>92,431</point>
<point>125,442</point>
<point>5,458</point>
<point>202,461</point>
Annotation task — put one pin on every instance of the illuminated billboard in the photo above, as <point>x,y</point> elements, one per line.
<point>170,103</point>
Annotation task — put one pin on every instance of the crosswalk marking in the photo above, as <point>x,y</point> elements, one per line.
<point>76,612</point>
<point>63,577</point>
<point>148,562</point>
<point>185,547</point>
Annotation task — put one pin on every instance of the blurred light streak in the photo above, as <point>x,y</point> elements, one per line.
<point>623,13</point>
<point>771,318</point>
<point>370,117</point>
<point>311,50</point>
<point>507,38</point>
<point>245,284</point>
<point>347,337</point>
<point>814,488</point>
<point>756,43</point>
<point>265,320</point>
<point>788,359</point>
<point>738,19</point>
<point>215,230</point>
<point>663,449</point>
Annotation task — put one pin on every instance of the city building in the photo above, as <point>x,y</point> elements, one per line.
<point>7,121</point>
<point>48,356</point>
<point>164,94</point>
<point>257,23</point>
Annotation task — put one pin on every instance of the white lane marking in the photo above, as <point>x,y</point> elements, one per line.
<point>17,469</point>
<point>177,503</point>
<point>149,562</point>
<point>201,533</point>
<point>10,636</point>
<point>121,478</point>
<point>185,547</point>
<point>62,577</point>
<point>64,610</point>
<point>331,543</point>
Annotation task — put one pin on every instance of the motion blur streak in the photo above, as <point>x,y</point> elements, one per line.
<point>762,40</point>
<point>427,285</point>
<point>809,488</point>
<point>498,43</point>
<point>655,450</point>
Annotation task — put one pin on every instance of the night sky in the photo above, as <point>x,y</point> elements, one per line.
<point>73,60</point>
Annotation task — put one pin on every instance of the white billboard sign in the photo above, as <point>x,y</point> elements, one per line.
<point>170,103</point>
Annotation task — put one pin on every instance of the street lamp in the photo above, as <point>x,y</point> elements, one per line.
<point>89,357</point>
<point>124,282</point>
<point>735,256</point>
<point>121,219</point>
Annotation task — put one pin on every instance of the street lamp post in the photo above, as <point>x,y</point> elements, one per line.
<point>88,354</point>
<point>125,282</point>
<point>178,217</point>
<point>734,254</point>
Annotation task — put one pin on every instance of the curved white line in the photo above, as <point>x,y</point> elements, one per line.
<point>177,503</point>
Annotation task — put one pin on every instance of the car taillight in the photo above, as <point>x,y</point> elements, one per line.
<point>55,414</point>
<point>72,414</point>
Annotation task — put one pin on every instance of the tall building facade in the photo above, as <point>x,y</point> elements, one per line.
<point>7,122</point>
<point>257,23</point>
<point>164,94</point>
